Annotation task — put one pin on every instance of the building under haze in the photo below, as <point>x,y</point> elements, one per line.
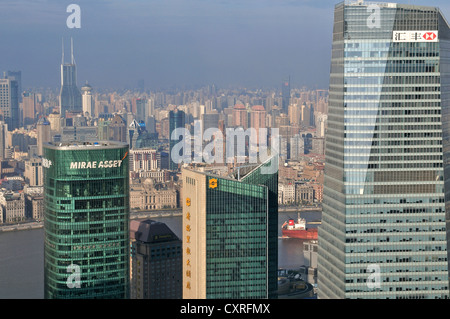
<point>177,119</point>
<point>230,234</point>
<point>87,100</point>
<point>9,103</point>
<point>383,232</point>
<point>69,97</point>
<point>286,95</point>
<point>86,230</point>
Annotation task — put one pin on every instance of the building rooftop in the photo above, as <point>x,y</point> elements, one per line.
<point>83,145</point>
<point>151,231</point>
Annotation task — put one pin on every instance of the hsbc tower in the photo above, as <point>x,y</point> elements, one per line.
<point>387,181</point>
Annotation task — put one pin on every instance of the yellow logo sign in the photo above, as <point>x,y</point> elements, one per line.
<point>213,183</point>
<point>188,201</point>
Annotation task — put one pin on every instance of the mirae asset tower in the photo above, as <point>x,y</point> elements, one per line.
<point>87,240</point>
<point>384,232</point>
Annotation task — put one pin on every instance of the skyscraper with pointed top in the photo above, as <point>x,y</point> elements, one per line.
<point>69,97</point>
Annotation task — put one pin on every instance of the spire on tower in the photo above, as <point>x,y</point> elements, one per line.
<point>71,51</point>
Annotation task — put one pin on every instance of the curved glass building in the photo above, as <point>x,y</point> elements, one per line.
<point>86,198</point>
<point>383,232</point>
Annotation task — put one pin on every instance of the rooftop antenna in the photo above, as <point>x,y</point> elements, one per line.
<point>71,50</point>
<point>62,59</point>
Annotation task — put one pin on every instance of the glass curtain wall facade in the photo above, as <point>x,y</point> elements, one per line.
<point>177,119</point>
<point>87,240</point>
<point>236,234</point>
<point>260,177</point>
<point>383,232</point>
<point>230,233</point>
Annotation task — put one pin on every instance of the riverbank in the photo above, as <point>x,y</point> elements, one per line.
<point>22,226</point>
<point>133,215</point>
<point>146,215</point>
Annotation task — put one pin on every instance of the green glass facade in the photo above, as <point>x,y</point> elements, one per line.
<point>230,233</point>
<point>383,232</point>
<point>176,120</point>
<point>236,234</point>
<point>262,176</point>
<point>86,198</point>
<point>242,234</point>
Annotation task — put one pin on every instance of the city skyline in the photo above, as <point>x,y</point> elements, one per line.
<point>173,43</point>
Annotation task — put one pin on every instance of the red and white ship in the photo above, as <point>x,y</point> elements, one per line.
<point>298,229</point>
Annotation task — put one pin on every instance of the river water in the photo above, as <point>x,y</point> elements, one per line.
<point>22,259</point>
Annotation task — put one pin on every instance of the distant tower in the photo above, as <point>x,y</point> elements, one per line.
<point>240,116</point>
<point>43,134</point>
<point>28,108</point>
<point>15,76</point>
<point>286,94</point>
<point>9,103</point>
<point>87,100</point>
<point>258,118</point>
<point>177,119</point>
<point>118,129</point>
<point>70,96</point>
<point>3,139</point>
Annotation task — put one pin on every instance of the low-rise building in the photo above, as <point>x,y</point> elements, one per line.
<point>13,206</point>
<point>34,203</point>
<point>148,197</point>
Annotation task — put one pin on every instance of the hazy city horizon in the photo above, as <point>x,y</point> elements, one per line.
<point>173,43</point>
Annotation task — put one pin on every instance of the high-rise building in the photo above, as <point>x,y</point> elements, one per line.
<point>156,261</point>
<point>87,100</point>
<point>118,129</point>
<point>86,231</point>
<point>297,147</point>
<point>43,134</point>
<point>230,233</point>
<point>4,144</point>
<point>383,231</point>
<point>285,95</point>
<point>28,108</point>
<point>141,110</point>
<point>177,119</point>
<point>9,103</point>
<point>240,116</point>
<point>15,76</point>
<point>258,119</point>
<point>69,97</point>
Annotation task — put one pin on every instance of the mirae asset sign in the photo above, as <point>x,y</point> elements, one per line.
<point>95,164</point>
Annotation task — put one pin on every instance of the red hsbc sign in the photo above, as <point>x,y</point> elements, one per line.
<point>415,36</point>
<point>429,36</point>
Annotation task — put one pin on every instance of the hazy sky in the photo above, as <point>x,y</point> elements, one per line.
<point>253,43</point>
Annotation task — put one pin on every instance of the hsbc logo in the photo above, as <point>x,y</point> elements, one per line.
<point>415,36</point>
<point>429,36</point>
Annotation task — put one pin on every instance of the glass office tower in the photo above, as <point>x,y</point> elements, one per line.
<point>230,235</point>
<point>86,198</point>
<point>177,119</point>
<point>383,232</point>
